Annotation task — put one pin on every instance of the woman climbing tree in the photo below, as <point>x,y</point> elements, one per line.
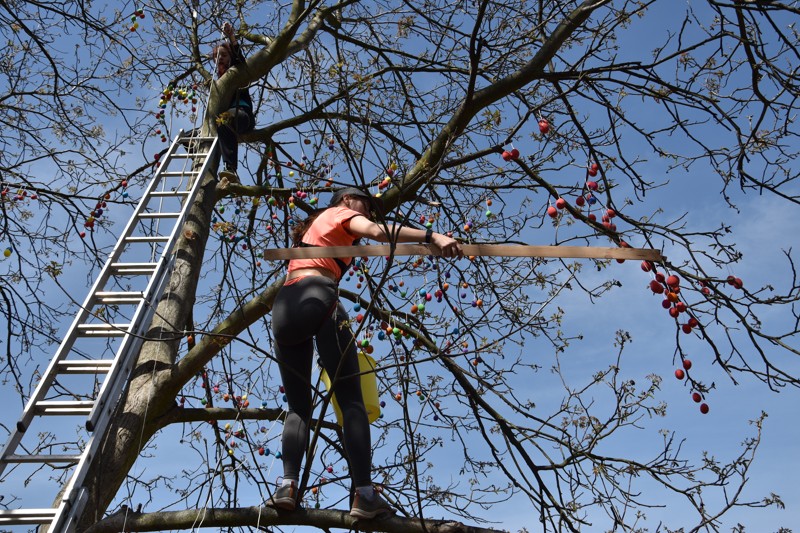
<point>239,117</point>
<point>306,308</point>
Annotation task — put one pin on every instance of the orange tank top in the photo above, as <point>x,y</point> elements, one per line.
<point>331,228</point>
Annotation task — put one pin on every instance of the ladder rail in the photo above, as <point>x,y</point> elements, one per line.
<point>71,504</point>
<point>122,364</point>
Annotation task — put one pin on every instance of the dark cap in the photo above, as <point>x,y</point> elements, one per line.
<point>375,202</point>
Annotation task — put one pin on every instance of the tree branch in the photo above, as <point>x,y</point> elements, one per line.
<point>129,520</point>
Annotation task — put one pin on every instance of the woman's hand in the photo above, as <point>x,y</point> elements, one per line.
<point>227,29</point>
<point>445,246</point>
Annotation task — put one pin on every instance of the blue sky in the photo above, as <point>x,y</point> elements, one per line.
<point>761,229</point>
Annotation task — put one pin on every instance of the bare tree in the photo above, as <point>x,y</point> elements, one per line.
<point>430,104</point>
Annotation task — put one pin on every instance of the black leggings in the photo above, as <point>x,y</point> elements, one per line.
<point>306,309</point>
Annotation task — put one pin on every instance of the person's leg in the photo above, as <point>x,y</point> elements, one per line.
<point>337,348</point>
<point>245,121</point>
<point>228,146</point>
<point>239,121</point>
<point>337,351</point>
<point>295,369</point>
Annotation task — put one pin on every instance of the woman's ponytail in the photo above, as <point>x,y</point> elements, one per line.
<point>300,228</point>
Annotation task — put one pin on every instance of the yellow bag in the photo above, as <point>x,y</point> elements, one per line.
<point>369,388</point>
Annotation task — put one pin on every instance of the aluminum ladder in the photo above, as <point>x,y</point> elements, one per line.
<point>93,336</point>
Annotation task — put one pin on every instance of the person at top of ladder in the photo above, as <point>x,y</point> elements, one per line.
<point>306,309</point>
<point>239,117</point>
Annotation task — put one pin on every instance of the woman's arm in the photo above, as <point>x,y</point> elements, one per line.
<point>237,56</point>
<point>362,227</point>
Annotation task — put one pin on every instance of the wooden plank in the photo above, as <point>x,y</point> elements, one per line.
<point>496,250</point>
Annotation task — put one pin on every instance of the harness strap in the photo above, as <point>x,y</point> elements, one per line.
<point>339,261</point>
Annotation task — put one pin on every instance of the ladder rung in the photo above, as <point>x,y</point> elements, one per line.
<point>119,297</point>
<point>27,516</point>
<point>85,366</point>
<point>169,193</point>
<point>104,330</point>
<point>159,215</point>
<point>190,136</point>
<point>133,268</point>
<point>146,238</point>
<point>192,154</point>
<point>64,408</point>
<point>180,173</point>
<point>46,459</point>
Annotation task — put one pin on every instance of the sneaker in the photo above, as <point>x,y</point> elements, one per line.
<point>230,175</point>
<point>284,498</point>
<point>366,509</point>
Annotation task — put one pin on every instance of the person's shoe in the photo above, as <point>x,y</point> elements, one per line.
<point>230,175</point>
<point>370,508</point>
<point>284,498</point>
